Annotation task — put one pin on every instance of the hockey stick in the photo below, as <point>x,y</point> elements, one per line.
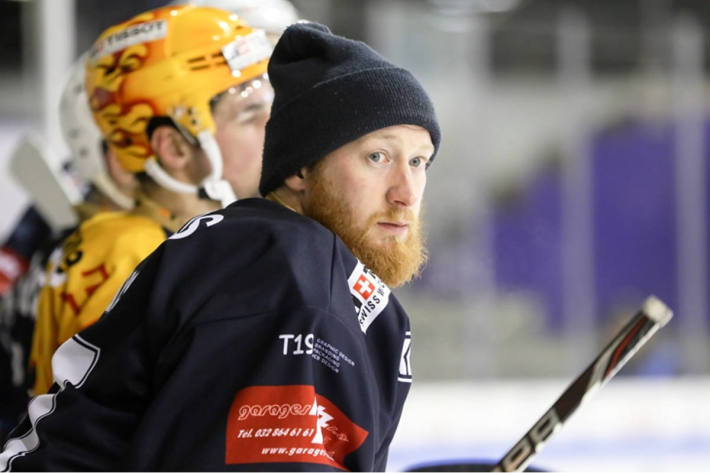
<point>652,316</point>
<point>52,193</point>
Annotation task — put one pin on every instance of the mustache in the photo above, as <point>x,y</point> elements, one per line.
<point>393,215</point>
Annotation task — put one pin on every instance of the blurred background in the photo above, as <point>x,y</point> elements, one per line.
<point>571,183</point>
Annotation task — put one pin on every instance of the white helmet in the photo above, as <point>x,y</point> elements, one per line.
<point>84,138</point>
<point>272,16</point>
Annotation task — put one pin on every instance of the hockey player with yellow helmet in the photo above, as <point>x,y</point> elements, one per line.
<point>181,97</point>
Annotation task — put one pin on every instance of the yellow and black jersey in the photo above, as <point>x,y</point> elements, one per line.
<point>82,276</point>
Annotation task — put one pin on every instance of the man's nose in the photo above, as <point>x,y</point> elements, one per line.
<point>402,191</point>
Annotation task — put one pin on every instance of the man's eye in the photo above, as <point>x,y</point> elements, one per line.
<point>245,116</point>
<point>418,162</point>
<point>376,157</point>
<point>251,113</point>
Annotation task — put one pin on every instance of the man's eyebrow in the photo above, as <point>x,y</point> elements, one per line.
<point>387,136</point>
<point>252,106</point>
<point>392,137</point>
<point>258,104</point>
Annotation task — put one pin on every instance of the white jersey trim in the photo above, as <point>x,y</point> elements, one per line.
<point>71,363</point>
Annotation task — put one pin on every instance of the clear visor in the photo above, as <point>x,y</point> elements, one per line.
<point>243,102</point>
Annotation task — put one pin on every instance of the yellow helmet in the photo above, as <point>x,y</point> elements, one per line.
<point>169,62</point>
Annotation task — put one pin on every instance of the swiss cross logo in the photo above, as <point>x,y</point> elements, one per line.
<point>370,295</point>
<point>364,287</point>
<point>293,424</point>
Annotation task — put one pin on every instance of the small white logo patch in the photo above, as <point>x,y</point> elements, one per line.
<point>136,34</point>
<point>247,50</point>
<point>405,360</point>
<point>370,295</point>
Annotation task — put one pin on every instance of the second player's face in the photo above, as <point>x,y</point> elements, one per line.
<point>240,116</point>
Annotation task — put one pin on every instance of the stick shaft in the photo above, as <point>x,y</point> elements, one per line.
<point>612,358</point>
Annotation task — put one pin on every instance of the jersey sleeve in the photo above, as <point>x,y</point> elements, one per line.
<point>102,384</point>
<point>126,252</point>
<point>78,290</point>
<point>44,343</point>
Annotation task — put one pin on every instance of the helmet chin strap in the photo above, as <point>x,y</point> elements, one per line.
<point>106,185</point>
<point>213,187</point>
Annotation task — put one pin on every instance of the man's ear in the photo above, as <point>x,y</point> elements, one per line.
<point>171,148</point>
<point>297,182</point>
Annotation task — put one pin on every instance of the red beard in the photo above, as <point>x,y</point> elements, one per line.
<point>395,261</point>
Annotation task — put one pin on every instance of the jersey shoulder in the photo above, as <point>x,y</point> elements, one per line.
<point>255,227</point>
<point>255,245</point>
<point>121,232</point>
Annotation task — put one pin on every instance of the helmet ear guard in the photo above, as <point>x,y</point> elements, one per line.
<point>170,62</point>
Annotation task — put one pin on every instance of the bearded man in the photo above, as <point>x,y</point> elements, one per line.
<point>264,335</point>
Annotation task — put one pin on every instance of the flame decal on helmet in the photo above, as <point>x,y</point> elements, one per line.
<point>123,125</point>
<point>164,63</point>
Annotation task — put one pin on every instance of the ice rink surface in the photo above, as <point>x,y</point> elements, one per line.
<point>632,424</point>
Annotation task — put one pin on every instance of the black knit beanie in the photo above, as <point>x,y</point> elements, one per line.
<point>329,91</point>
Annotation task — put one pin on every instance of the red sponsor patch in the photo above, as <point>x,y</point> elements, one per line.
<point>269,424</point>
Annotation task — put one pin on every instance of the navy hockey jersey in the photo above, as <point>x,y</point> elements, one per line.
<point>252,339</point>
